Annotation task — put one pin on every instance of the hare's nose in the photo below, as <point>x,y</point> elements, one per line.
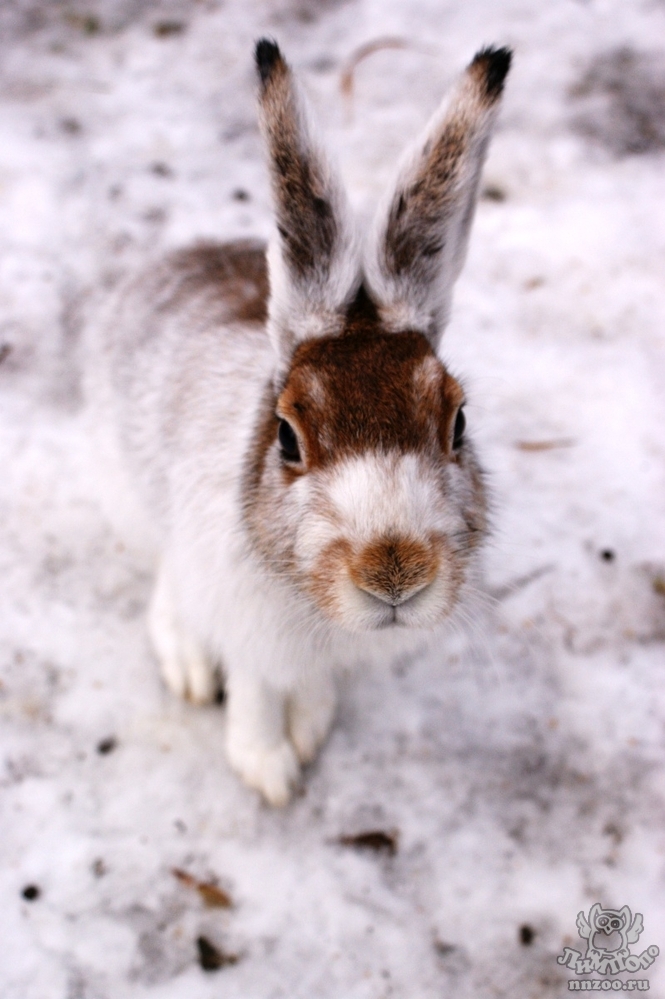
<point>394,569</point>
<point>396,596</point>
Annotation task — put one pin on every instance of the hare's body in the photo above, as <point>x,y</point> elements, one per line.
<point>301,454</point>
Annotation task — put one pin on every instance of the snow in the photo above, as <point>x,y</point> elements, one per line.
<point>523,767</point>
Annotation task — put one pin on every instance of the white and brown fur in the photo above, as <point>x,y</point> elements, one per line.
<point>280,568</point>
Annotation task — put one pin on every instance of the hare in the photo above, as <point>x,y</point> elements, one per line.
<point>296,440</point>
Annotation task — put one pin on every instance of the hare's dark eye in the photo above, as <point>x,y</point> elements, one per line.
<point>458,432</point>
<point>288,441</point>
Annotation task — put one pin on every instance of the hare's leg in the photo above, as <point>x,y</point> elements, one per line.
<point>310,713</point>
<point>186,669</point>
<point>256,744</point>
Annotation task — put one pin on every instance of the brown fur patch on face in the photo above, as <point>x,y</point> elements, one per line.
<point>392,567</point>
<point>369,390</point>
<point>265,434</point>
<point>258,496</point>
<point>235,273</point>
<point>331,565</point>
<point>442,398</point>
<point>475,512</point>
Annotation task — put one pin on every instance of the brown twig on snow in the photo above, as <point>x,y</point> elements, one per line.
<point>545,445</point>
<point>213,896</point>
<point>346,79</point>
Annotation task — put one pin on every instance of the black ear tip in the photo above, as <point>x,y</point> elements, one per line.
<point>496,63</point>
<point>267,55</point>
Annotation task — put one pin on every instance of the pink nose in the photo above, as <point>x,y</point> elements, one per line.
<point>394,569</point>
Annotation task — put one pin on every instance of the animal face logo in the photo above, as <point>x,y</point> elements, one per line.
<point>609,931</point>
<point>609,934</point>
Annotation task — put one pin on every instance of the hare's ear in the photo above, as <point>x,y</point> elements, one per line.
<point>421,232</point>
<point>313,259</point>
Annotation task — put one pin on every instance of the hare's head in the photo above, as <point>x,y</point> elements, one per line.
<point>362,487</point>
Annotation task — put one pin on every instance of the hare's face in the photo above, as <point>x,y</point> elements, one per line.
<point>361,487</point>
<point>380,500</point>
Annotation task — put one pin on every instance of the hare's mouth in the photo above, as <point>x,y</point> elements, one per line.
<point>419,610</point>
<point>398,610</point>
<point>390,621</point>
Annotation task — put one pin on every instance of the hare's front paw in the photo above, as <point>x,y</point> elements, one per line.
<point>189,674</point>
<point>310,713</point>
<point>186,669</point>
<point>271,770</point>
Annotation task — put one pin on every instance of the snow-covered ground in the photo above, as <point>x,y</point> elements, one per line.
<point>524,770</point>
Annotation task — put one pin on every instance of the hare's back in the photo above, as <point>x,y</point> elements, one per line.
<point>231,276</point>
<point>190,358</point>
<point>179,300</point>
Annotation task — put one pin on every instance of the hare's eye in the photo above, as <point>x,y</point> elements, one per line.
<point>288,441</point>
<point>458,432</point>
